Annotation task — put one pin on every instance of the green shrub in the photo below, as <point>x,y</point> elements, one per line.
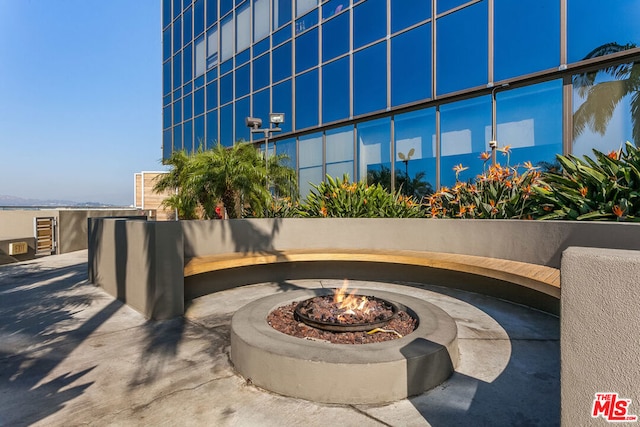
<point>337,198</point>
<point>604,188</point>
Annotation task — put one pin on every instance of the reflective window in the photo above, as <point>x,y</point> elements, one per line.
<point>281,12</point>
<point>242,111</point>
<point>411,65</point>
<point>187,130</point>
<point>528,30</point>
<point>282,96</point>
<point>243,27</point>
<point>177,8</point>
<point>177,138</point>
<point>212,129</point>
<point>177,70</point>
<point>309,162</point>
<point>227,35</point>
<point>281,62</point>
<point>307,21</point>
<point>335,37</point>
<point>370,79</point>
<point>307,99</point>
<point>198,17</point>
<point>593,24</point>
<point>188,106</point>
<point>415,157</point>
<point>167,144</point>
<point>261,47</point>
<point>166,117</point>
<point>200,57</point>
<point>243,81</point>
<point>226,125</point>
<point>465,132</point>
<point>444,5</point>
<point>212,96</point>
<point>212,12</point>
<point>281,35</point>
<point>288,148</point>
<point>333,7</point>
<point>530,122</point>
<point>187,58</point>
<point>177,35</point>
<point>225,6</point>
<point>166,44</point>
<point>261,107</point>
<point>462,49</point>
<point>335,90</point>
<point>606,106</point>
<point>374,152</point>
<point>166,12</point>
<point>198,132</point>
<point>166,78</point>
<point>261,72</point>
<point>212,47</point>
<point>339,152</point>
<point>212,75</point>
<point>260,19</point>
<point>226,88</point>
<point>303,6</point>
<point>307,50</point>
<point>198,102</point>
<point>198,82</point>
<point>405,13</point>
<point>369,22</point>
<point>187,28</point>
<point>226,66</point>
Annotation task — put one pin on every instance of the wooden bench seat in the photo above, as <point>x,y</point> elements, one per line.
<point>537,277</point>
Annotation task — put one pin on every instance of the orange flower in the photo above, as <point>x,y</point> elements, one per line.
<point>530,166</point>
<point>505,150</point>
<point>459,168</point>
<point>323,211</point>
<point>485,156</point>
<point>618,211</point>
<point>583,191</point>
<point>613,155</point>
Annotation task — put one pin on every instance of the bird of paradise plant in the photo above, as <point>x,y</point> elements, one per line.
<point>499,192</point>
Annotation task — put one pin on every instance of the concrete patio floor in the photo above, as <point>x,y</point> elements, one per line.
<point>72,355</point>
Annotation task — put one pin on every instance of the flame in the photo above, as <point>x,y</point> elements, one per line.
<point>349,302</point>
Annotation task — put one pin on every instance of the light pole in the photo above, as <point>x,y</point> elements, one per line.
<point>493,144</point>
<point>255,125</point>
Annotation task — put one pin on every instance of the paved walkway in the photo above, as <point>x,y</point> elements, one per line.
<point>72,355</point>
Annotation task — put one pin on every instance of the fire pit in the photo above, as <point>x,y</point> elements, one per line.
<point>321,371</point>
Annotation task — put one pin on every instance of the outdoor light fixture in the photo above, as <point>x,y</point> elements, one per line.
<point>255,124</point>
<point>276,118</point>
<point>493,144</point>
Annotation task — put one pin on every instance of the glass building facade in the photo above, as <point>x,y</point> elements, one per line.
<point>400,91</point>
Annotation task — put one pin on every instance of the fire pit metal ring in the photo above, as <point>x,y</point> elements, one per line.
<point>347,327</point>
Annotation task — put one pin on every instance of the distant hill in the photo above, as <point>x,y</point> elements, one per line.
<point>12,201</point>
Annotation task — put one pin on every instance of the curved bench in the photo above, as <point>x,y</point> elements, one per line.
<point>539,279</point>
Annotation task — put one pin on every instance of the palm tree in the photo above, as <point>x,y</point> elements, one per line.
<point>601,99</point>
<point>235,176</point>
<point>184,201</point>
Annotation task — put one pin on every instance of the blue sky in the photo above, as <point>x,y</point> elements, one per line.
<point>80,97</point>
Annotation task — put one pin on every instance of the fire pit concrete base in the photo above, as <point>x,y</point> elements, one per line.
<point>344,373</point>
